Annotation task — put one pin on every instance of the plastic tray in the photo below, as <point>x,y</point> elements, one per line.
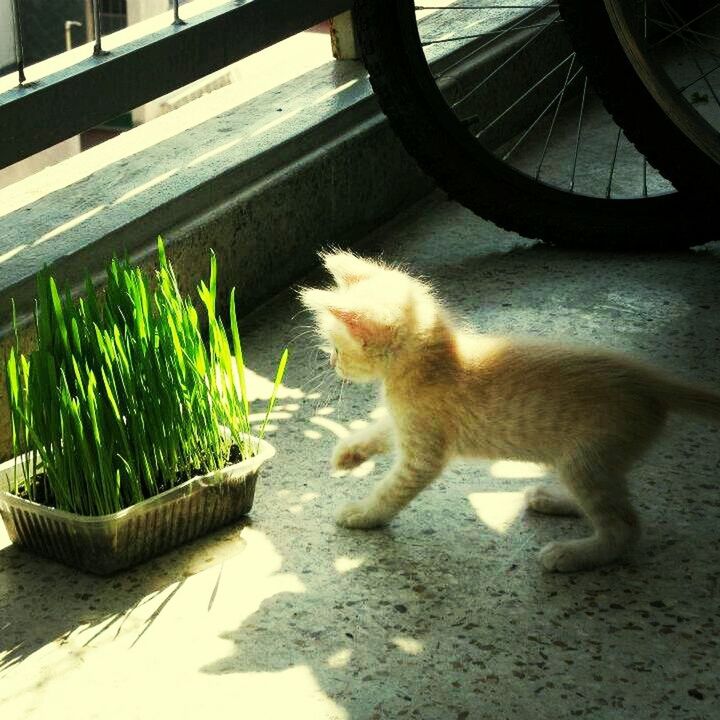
<point>105,544</point>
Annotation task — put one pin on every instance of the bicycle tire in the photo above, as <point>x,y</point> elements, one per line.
<point>444,149</point>
<point>633,106</point>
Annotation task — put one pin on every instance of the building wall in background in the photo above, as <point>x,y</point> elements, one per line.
<point>138,10</point>
<point>43,26</point>
<point>7,38</point>
<point>54,154</point>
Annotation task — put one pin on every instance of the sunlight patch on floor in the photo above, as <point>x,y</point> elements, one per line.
<point>363,470</point>
<point>274,415</point>
<point>297,507</point>
<point>340,659</point>
<point>498,510</point>
<point>12,252</point>
<point>334,427</point>
<point>212,153</point>
<point>336,91</point>
<point>78,220</point>
<point>277,121</point>
<point>145,186</point>
<point>75,672</point>
<point>260,388</point>
<point>345,564</point>
<point>269,428</point>
<point>515,469</point>
<point>408,645</point>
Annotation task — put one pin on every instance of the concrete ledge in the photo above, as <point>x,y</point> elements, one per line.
<point>202,160</point>
<point>264,183</point>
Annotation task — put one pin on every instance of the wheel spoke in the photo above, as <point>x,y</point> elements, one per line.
<point>683,36</point>
<point>527,124</point>
<point>542,114</point>
<point>509,28</point>
<point>505,62</point>
<point>698,79</point>
<point>608,192</point>
<point>671,11</point>
<point>579,133</point>
<point>454,8</point>
<point>685,25</point>
<point>522,97</point>
<point>554,120</point>
<point>487,33</point>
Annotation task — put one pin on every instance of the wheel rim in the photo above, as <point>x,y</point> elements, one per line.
<point>551,128</point>
<point>675,50</point>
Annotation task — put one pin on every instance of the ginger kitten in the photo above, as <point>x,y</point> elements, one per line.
<point>587,413</point>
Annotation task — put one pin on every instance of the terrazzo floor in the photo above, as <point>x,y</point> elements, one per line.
<point>446,614</point>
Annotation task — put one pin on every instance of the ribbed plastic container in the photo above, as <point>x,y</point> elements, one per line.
<point>105,544</point>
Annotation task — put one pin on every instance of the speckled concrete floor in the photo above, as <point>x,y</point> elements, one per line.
<point>447,613</point>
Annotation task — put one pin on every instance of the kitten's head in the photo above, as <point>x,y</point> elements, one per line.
<point>374,319</point>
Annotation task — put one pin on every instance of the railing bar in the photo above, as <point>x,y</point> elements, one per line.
<point>19,51</point>
<point>453,8</point>
<point>217,36</point>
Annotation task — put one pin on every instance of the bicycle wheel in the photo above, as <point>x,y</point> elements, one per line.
<point>492,102</point>
<point>655,64</point>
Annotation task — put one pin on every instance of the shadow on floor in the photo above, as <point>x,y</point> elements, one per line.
<point>29,583</point>
<point>442,616</point>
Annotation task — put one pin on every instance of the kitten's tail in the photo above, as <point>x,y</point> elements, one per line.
<point>688,399</point>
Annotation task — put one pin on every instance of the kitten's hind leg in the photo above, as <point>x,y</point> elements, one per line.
<point>551,500</point>
<point>601,492</point>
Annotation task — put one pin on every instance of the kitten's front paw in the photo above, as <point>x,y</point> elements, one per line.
<point>572,556</point>
<point>347,456</point>
<point>361,515</point>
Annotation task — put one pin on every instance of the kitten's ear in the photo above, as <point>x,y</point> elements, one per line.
<point>358,324</point>
<point>363,328</point>
<point>346,268</point>
<point>314,299</point>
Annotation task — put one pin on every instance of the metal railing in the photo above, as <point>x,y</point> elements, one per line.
<point>37,112</point>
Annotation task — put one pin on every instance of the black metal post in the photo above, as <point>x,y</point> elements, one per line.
<point>19,53</point>
<point>97,50</point>
<point>176,13</point>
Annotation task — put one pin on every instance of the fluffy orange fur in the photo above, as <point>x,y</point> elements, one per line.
<point>588,413</point>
